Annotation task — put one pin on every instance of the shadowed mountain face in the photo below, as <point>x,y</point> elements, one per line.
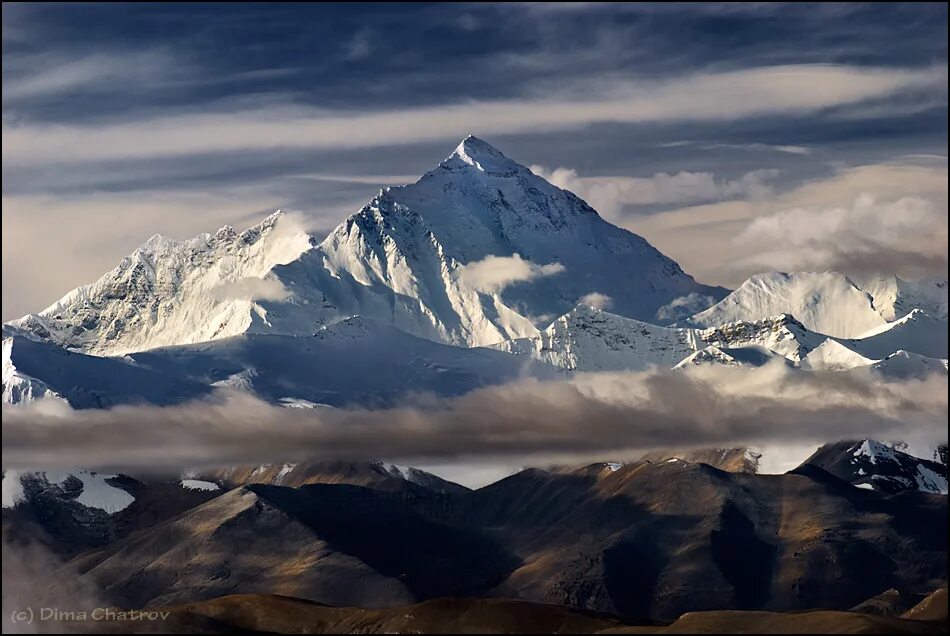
<point>876,466</point>
<point>644,541</point>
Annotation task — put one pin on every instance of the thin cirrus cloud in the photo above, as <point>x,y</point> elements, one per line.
<point>790,90</point>
<point>39,76</point>
<point>789,149</point>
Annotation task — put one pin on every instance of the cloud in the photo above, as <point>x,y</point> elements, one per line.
<point>684,306</point>
<point>596,300</point>
<point>886,217</point>
<point>42,75</point>
<point>609,195</point>
<point>494,273</point>
<point>361,46</point>
<point>526,421</point>
<point>775,90</point>
<point>252,288</point>
<point>788,149</point>
<point>908,235</point>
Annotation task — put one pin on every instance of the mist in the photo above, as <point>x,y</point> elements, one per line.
<point>606,415</point>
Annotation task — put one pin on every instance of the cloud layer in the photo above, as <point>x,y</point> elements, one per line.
<point>591,415</point>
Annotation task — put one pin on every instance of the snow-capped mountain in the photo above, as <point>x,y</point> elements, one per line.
<point>434,286</point>
<point>827,302</point>
<point>874,465</point>
<point>400,259</point>
<point>590,339</point>
<point>175,292</point>
<point>916,332</point>
<point>34,369</point>
<point>356,360</point>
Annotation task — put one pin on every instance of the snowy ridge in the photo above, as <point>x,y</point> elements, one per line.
<point>917,332</point>
<point>18,387</point>
<point>831,355</point>
<point>904,364</point>
<point>781,334</point>
<point>174,292</point>
<point>895,297</point>
<point>886,468</point>
<point>590,339</point>
<point>827,303</point>
<point>34,370</point>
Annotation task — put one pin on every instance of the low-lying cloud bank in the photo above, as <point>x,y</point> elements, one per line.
<point>529,420</point>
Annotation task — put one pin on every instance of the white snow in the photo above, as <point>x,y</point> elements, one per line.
<point>284,470</point>
<point>96,491</point>
<point>828,303</point>
<point>589,339</point>
<point>864,486</point>
<point>166,291</point>
<point>930,481</point>
<point>894,297</point>
<point>916,332</point>
<point>18,387</point>
<point>831,355</point>
<point>198,484</point>
<point>875,451</point>
<point>12,489</point>
<point>904,364</point>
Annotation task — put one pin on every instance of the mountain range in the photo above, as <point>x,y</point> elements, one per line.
<point>480,254</point>
<point>480,273</point>
<point>648,540</point>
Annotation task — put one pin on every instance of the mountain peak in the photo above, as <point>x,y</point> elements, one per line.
<point>473,152</point>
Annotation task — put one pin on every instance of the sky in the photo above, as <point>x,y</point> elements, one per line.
<point>735,138</point>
